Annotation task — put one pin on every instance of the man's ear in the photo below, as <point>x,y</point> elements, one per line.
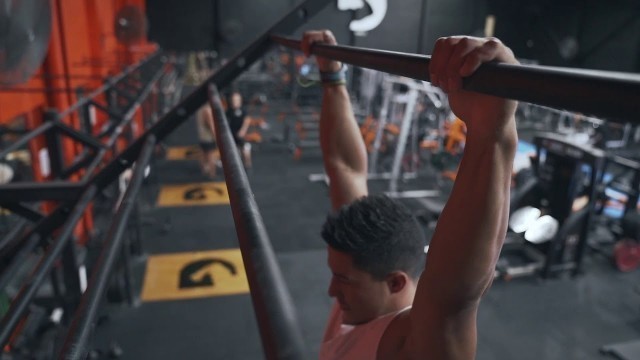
<point>396,281</point>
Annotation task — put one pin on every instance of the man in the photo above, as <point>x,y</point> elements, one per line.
<point>375,246</point>
<point>204,122</point>
<point>207,141</point>
<point>239,124</point>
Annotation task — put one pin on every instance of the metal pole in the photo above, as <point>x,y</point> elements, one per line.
<point>25,296</point>
<point>26,138</point>
<point>387,90</point>
<point>109,83</point>
<point>18,260</point>
<point>401,145</point>
<point>272,304</point>
<point>54,146</point>
<point>612,95</point>
<point>84,111</point>
<point>76,342</point>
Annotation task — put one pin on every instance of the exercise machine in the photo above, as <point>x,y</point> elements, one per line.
<point>618,214</point>
<point>399,109</point>
<point>550,213</point>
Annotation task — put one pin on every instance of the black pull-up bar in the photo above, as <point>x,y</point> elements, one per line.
<point>610,95</point>
<point>272,304</point>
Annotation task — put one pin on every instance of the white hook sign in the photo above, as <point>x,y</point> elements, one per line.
<point>378,11</point>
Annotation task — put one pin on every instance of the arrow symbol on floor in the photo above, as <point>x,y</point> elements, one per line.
<point>200,273</point>
<point>200,192</point>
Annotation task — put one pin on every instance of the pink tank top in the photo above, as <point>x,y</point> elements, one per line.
<point>353,342</point>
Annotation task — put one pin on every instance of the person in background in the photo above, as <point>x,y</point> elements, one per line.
<point>239,124</point>
<point>207,141</point>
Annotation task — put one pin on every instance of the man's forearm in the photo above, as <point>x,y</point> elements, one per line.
<point>471,230</point>
<point>344,153</point>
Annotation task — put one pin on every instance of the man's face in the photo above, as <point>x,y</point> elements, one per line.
<point>236,101</point>
<point>359,295</point>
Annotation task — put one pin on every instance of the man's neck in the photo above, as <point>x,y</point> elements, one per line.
<point>402,300</point>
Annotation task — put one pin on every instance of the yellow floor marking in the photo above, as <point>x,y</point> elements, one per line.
<point>194,275</point>
<point>209,193</point>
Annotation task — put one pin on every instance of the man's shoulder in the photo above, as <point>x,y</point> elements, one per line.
<point>395,336</point>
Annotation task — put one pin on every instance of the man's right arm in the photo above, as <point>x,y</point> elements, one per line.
<point>344,154</point>
<point>343,150</point>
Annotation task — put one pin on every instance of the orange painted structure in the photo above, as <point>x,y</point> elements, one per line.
<point>83,51</point>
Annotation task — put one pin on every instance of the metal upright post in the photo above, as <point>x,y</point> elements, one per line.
<point>401,145</point>
<point>70,271</point>
<point>54,146</point>
<point>84,112</point>
<point>71,278</point>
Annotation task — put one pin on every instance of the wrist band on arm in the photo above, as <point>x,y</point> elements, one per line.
<point>334,78</point>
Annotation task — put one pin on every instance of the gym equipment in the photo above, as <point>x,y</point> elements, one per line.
<point>307,131</point>
<point>408,131</point>
<point>618,213</point>
<point>564,173</point>
<point>541,230</point>
<point>522,219</point>
<point>369,82</point>
<point>67,280</point>
<point>394,151</point>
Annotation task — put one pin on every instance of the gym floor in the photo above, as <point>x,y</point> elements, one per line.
<point>566,318</point>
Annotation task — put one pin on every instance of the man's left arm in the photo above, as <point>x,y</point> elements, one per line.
<point>470,232</point>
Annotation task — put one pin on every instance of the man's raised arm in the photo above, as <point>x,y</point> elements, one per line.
<point>470,232</point>
<point>343,150</point>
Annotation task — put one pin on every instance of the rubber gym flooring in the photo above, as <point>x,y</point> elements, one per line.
<point>193,302</point>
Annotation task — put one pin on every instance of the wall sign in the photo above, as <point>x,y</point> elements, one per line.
<point>367,23</point>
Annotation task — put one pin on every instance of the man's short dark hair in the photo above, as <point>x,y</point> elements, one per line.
<point>380,234</point>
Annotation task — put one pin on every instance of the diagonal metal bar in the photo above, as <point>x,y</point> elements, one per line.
<point>24,140</point>
<point>89,97</point>
<point>272,304</point>
<point>80,162</point>
<point>128,95</point>
<point>76,344</point>
<point>22,210</point>
<point>78,136</point>
<point>34,191</point>
<point>19,304</point>
<point>111,113</point>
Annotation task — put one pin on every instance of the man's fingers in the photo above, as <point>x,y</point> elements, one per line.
<point>491,49</point>
<point>485,53</point>
<point>439,61</point>
<point>308,39</point>
<point>457,57</point>
<point>461,49</point>
<point>329,38</point>
<point>311,37</point>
